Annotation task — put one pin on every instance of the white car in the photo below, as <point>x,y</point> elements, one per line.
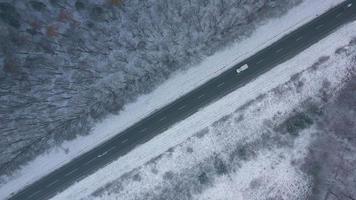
<point>349,5</point>
<point>242,68</point>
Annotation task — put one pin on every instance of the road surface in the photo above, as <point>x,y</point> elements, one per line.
<point>280,51</point>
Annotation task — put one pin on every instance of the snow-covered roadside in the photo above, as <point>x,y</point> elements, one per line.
<point>272,174</point>
<point>334,70</point>
<point>167,92</point>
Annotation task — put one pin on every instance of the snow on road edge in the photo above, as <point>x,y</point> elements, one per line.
<point>206,116</point>
<point>212,66</point>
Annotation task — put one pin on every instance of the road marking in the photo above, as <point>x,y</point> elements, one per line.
<point>163,118</point>
<point>33,194</point>
<point>125,140</point>
<point>299,38</point>
<point>103,154</point>
<point>221,84</point>
<point>91,160</point>
<point>71,172</point>
<point>52,183</point>
<point>319,26</point>
<point>112,148</point>
<point>180,108</point>
<point>279,50</point>
<point>339,15</point>
<point>142,130</point>
<point>260,61</point>
<point>201,96</point>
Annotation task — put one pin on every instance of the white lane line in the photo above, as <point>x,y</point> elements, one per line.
<point>71,172</point>
<point>260,61</point>
<point>112,148</point>
<point>142,130</point>
<point>33,194</point>
<point>163,118</point>
<point>279,50</point>
<point>52,183</point>
<point>180,108</point>
<point>339,15</point>
<point>106,152</point>
<point>91,160</point>
<point>103,154</point>
<point>201,96</point>
<point>124,141</point>
<point>299,38</point>
<point>319,26</point>
<point>221,84</point>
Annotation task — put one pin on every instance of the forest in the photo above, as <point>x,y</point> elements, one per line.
<point>65,65</point>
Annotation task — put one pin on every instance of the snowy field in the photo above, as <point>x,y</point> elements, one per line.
<point>197,75</point>
<point>234,148</point>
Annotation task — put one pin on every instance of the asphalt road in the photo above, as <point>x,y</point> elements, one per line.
<point>214,89</point>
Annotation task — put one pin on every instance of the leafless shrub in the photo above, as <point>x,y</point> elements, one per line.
<point>331,158</point>
<point>68,64</point>
<point>320,61</point>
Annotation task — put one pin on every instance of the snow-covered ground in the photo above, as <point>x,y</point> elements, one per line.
<point>167,92</point>
<point>174,160</point>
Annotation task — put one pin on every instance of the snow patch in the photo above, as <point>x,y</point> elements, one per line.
<point>167,92</point>
<point>291,182</point>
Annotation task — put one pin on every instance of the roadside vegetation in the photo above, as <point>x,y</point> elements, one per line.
<point>65,65</point>
<point>314,143</point>
<point>332,156</point>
